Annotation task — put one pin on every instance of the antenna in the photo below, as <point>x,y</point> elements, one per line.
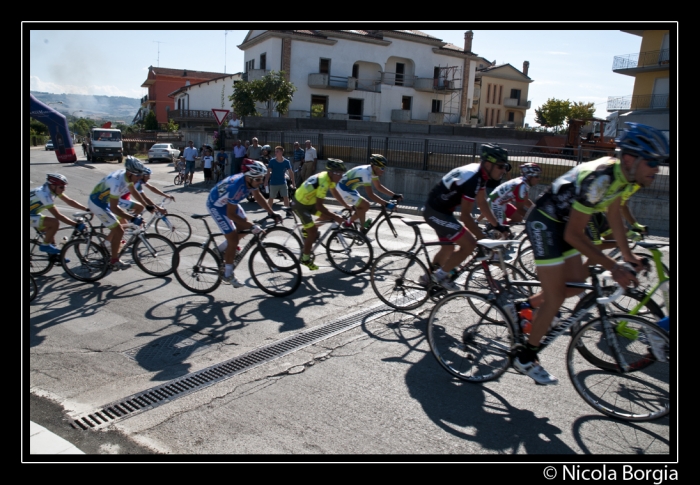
<point>159,43</point>
<point>225,38</point>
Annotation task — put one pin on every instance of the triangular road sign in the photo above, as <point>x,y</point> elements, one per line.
<point>220,114</point>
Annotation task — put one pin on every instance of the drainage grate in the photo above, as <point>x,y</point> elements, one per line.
<point>151,398</point>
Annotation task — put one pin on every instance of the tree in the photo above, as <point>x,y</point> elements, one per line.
<point>171,126</point>
<point>273,90</point>
<point>151,121</point>
<point>37,127</point>
<point>581,111</point>
<point>553,113</point>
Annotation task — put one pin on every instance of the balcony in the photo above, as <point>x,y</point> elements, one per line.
<point>516,103</point>
<point>399,115</point>
<point>297,113</point>
<point>632,64</point>
<point>326,81</point>
<point>433,84</point>
<point>630,103</point>
<point>195,115</point>
<point>255,74</point>
<point>395,79</point>
<point>147,102</point>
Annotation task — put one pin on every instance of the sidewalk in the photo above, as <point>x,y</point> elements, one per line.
<point>44,442</point>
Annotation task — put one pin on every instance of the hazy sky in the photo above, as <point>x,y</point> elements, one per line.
<point>564,64</point>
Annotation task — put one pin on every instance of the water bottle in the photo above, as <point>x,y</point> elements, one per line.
<point>63,241</point>
<point>390,206</point>
<point>663,323</point>
<point>525,315</point>
<point>368,222</point>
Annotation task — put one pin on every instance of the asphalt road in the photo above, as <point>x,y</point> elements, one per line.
<point>370,391</point>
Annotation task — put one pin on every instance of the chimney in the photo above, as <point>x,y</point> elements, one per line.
<point>526,65</point>
<point>468,36</point>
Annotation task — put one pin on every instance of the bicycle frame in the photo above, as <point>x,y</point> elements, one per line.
<point>322,236</point>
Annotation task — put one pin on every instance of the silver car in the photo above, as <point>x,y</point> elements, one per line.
<point>163,151</point>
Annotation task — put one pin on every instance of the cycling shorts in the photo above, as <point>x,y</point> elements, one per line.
<point>446,226</point>
<point>37,221</point>
<point>351,196</point>
<point>547,238</point>
<point>104,214</point>
<point>305,213</point>
<point>220,216</point>
<point>598,227</point>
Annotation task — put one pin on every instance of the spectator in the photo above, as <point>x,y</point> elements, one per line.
<point>298,159</point>
<point>222,160</point>
<point>84,148</point>
<point>265,157</point>
<point>239,153</point>
<point>254,150</point>
<point>278,167</point>
<point>310,159</point>
<point>207,163</point>
<point>233,124</point>
<point>190,155</point>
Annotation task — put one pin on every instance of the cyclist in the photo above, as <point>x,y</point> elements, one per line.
<point>127,204</point>
<point>308,202</point>
<point>557,229</point>
<point>462,186</point>
<point>366,176</point>
<point>510,201</point>
<point>104,203</point>
<point>42,198</point>
<point>224,206</point>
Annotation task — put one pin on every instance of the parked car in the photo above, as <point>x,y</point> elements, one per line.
<point>163,151</point>
<point>49,146</point>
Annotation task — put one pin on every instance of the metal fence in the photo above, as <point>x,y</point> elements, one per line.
<point>441,156</point>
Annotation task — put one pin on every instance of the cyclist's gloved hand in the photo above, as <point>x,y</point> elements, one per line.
<point>150,208</point>
<point>137,221</point>
<point>80,227</point>
<point>276,217</point>
<point>256,229</point>
<point>390,206</point>
<point>398,197</point>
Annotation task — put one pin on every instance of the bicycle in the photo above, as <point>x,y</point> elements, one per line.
<point>389,233</point>
<point>402,279</point>
<point>40,262</point>
<point>347,249</point>
<point>181,178</point>
<point>604,366</point>
<point>33,289</point>
<point>90,255</point>
<point>199,266</point>
<point>172,226</point>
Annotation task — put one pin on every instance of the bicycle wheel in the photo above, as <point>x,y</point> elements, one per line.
<point>476,278</point>
<point>198,268</point>
<point>651,312</point>
<point>639,395</point>
<point>285,237</point>
<point>396,280</point>
<point>85,260</point>
<point>349,251</point>
<point>178,180</point>
<point>40,262</point>
<point>154,254</point>
<point>648,279</point>
<point>33,290</point>
<point>526,258</point>
<point>393,234</point>
<point>467,345</point>
<point>174,227</point>
<point>275,269</point>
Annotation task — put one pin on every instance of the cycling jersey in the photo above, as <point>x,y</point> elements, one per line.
<point>357,177</point>
<point>113,186</point>
<point>41,198</point>
<point>515,190</point>
<point>138,185</point>
<point>231,190</point>
<point>590,187</point>
<point>313,188</point>
<point>462,182</point>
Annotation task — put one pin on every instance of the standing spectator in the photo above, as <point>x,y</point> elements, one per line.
<point>239,153</point>
<point>233,124</point>
<point>207,163</point>
<point>265,157</point>
<point>190,155</point>
<point>278,167</point>
<point>254,150</point>
<point>298,159</point>
<point>84,149</point>
<point>310,159</point>
<point>222,160</point>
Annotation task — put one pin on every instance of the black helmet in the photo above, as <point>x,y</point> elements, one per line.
<point>335,164</point>
<point>495,154</point>
<point>378,160</point>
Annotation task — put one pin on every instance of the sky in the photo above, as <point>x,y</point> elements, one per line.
<point>564,64</point>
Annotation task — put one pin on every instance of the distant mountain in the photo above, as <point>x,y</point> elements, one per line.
<point>108,108</point>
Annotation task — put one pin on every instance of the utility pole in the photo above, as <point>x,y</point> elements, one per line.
<point>225,39</point>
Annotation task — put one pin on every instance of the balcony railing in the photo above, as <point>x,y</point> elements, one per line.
<point>395,79</point>
<point>646,101</point>
<point>254,74</point>
<point>194,114</point>
<point>296,113</point>
<point>651,59</point>
<point>322,80</point>
<point>516,103</point>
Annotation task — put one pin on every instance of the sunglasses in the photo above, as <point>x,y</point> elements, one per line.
<point>257,180</point>
<point>337,173</point>
<point>503,166</point>
<point>653,163</point>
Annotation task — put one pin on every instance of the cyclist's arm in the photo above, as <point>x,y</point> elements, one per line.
<point>158,191</point>
<point>620,232</point>
<point>118,211</point>
<point>73,203</point>
<point>232,213</point>
<point>142,198</point>
<point>485,209</point>
<point>322,209</point>
<point>263,203</point>
<point>380,188</point>
<point>57,214</point>
<point>466,207</point>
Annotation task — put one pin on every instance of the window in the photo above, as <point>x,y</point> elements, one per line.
<point>250,65</point>
<point>436,78</point>
<point>319,105</point>
<point>263,61</point>
<point>356,71</point>
<point>437,106</point>
<point>399,74</point>
<point>406,102</point>
<point>515,94</point>
<point>488,94</point>
<point>511,116</point>
<point>324,66</point>
<point>355,108</point>
<point>500,94</point>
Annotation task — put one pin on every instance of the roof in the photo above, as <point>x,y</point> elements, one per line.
<point>165,71</point>
<point>216,79</point>
<point>501,66</point>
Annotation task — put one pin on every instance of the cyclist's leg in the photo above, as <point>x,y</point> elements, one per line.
<point>49,225</point>
<point>353,199</point>
<point>111,222</point>
<point>305,214</point>
<point>228,229</point>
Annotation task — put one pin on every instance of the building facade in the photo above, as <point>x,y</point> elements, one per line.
<point>372,75</point>
<point>502,95</point>
<point>194,102</point>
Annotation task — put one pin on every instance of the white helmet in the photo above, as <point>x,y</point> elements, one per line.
<point>256,169</point>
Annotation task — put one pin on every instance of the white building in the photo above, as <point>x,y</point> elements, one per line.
<point>194,102</point>
<point>375,75</point>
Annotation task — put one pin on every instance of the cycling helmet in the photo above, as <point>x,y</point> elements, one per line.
<point>133,165</point>
<point>643,141</point>
<point>56,179</point>
<point>494,153</point>
<point>335,164</point>
<point>267,147</point>
<point>147,171</point>
<point>530,170</point>
<point>256,169</point>
<point>378,160</point>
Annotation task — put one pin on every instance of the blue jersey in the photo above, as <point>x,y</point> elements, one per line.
<point>231,190</point>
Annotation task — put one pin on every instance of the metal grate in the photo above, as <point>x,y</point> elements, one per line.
<point>151,398</point>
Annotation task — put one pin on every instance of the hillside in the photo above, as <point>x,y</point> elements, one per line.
<point>112,108</point>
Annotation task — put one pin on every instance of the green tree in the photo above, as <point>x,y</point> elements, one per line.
<point>151,121</point>
<point>553,113</point>
<point>273,90</point>
<point>171,126</point>
<point>581,111</point>
<point>37,127</point>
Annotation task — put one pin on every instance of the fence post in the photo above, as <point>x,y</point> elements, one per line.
<point>282,138</point>
<point>369,147</point>
<point>425,154</point>
<point>579,157</point>
<point>474,159</point>
<point>320,148</point>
